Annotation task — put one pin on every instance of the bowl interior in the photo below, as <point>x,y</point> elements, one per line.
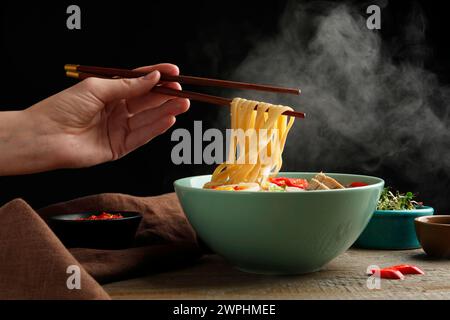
<point>74,217</point>
<point>343,178</point>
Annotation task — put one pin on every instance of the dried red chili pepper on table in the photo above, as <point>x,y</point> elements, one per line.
<point>389,274</point>
<point>407,269</point>
<point>397,272</point>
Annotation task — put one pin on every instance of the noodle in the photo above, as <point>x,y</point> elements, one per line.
<point>256,145</point>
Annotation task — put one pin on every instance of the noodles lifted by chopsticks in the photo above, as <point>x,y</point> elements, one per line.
<point>259,132</point>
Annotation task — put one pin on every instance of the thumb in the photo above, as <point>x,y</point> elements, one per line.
<point>108,90</point>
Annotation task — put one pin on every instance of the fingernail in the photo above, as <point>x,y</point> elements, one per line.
<point>152,75</point>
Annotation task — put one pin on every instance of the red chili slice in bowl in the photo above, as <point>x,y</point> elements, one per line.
<point>357,184</point>
<point>290,182</point>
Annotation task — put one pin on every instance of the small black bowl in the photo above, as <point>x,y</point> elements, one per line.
<point>98,234</point>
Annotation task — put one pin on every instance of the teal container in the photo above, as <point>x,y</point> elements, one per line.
<point>392,229</point>
<point>279,232</point>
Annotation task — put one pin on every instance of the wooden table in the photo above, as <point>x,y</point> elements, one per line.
<point>343,278</point>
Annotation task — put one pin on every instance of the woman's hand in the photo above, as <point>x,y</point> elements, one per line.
<point>94,121</point>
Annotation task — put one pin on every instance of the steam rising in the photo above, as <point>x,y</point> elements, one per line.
<point>365,113</point>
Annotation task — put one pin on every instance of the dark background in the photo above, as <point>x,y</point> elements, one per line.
<point>204,38</point>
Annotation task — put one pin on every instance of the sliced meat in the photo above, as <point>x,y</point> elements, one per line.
<point>314,184</point>
<point>328,181</point>
<point>323,182</point>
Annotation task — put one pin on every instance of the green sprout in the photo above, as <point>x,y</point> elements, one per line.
<point>398,201</point>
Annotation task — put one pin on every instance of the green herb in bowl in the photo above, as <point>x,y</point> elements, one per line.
<point>398,201</point>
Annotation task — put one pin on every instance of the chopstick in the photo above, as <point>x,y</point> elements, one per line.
<point>163,90</point>
<point>124,73</point>
<point>177,93</point>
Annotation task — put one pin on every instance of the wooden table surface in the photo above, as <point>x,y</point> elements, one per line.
<point>343,278</point>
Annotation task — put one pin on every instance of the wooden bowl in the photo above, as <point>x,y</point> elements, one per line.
<point>433,233</point>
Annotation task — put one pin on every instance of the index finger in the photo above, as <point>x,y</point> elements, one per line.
<point>166,68</point>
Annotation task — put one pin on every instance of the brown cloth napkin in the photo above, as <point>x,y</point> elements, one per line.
<point>33,262</point>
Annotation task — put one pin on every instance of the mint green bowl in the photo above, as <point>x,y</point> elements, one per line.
<point>279,232</point>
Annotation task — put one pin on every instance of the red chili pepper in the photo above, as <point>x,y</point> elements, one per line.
<point>398,271</point>
<point>386,273</point>
<point>407,269</point>
<point>278,181</point>
<point>391,274</point>
<point>290,182</point>
<point>357,184</point>
<point>103,216</point>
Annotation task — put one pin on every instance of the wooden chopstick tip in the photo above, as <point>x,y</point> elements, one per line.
<point>71,67</point>
<point>72,74</point>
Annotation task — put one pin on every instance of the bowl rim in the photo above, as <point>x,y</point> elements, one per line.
<point>380,183</point>
<point>59,218</point>
<point>405,213</point>
<point>430,223</point>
